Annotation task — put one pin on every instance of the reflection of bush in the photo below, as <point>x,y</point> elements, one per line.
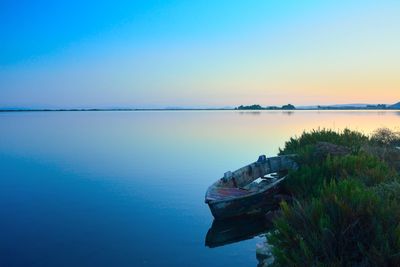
<point>346,207</point>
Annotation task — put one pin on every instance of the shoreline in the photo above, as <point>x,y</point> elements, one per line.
<point>190,109</point>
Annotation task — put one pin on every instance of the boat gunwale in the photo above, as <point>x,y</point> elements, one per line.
<point>271,185</point>
<point>215,201</point>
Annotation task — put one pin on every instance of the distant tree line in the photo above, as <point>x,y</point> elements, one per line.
<point>258,107</point>
<point>336,107</point>
<point>379,106</point>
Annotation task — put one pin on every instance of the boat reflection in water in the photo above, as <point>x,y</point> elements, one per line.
<point>223,232</point>
<point>229,231</point>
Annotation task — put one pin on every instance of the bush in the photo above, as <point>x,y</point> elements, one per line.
<point>385,137</point>
<point>390,155</point>
<point>351,139</point>
<point>335,228</point>
<point>338,228</point>
<point>346,207</point>
<point>308,180</point>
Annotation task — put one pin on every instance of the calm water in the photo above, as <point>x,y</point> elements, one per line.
<point>127,188</point>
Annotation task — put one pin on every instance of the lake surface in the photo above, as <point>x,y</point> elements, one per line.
<point>127,188</point>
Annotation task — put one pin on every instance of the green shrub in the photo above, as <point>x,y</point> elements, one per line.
<point>390,155</point>
<point>363,167</point>
<point>307,181</point>
<point>389,191</point>
<point>348,138</point>
<point>346,208</point>
<point>341,227</point>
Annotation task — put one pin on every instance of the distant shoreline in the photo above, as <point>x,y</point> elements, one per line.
<point>105,109</point>
<point>196,109</point>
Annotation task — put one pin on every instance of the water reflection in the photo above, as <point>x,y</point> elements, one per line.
<point>249,112</point>
<point>231,231</point>
<point>289,113</point>
<point>83,186</point>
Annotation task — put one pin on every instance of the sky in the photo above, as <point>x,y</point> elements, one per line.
<point>156,54</point>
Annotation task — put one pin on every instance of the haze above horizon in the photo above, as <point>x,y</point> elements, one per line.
<point>155,54</point>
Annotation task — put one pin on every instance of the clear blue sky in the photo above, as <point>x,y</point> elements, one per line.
<point>198,53</point>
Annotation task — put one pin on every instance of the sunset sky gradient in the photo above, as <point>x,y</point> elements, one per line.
<point>155,54</point>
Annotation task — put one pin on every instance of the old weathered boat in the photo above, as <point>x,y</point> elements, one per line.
<point>250,189</point>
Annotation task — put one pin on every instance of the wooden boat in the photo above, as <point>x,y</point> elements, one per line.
<point>250,189</point>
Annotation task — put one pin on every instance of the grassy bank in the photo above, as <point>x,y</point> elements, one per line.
<point>345,208</point>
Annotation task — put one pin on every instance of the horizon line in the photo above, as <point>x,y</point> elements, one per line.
<point>304,107</point>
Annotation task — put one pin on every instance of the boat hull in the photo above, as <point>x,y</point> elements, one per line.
<point>250,189</point>
<point>257,203</point>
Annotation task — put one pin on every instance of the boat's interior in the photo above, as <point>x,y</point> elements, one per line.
<point>224,190</point>
<point>256,177</point>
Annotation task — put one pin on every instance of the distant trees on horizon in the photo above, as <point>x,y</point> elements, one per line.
<point>334,107</point>
<point>259,107</point>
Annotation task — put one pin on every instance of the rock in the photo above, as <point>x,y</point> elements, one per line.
<point>322,149</point>
<point>264,254</point>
